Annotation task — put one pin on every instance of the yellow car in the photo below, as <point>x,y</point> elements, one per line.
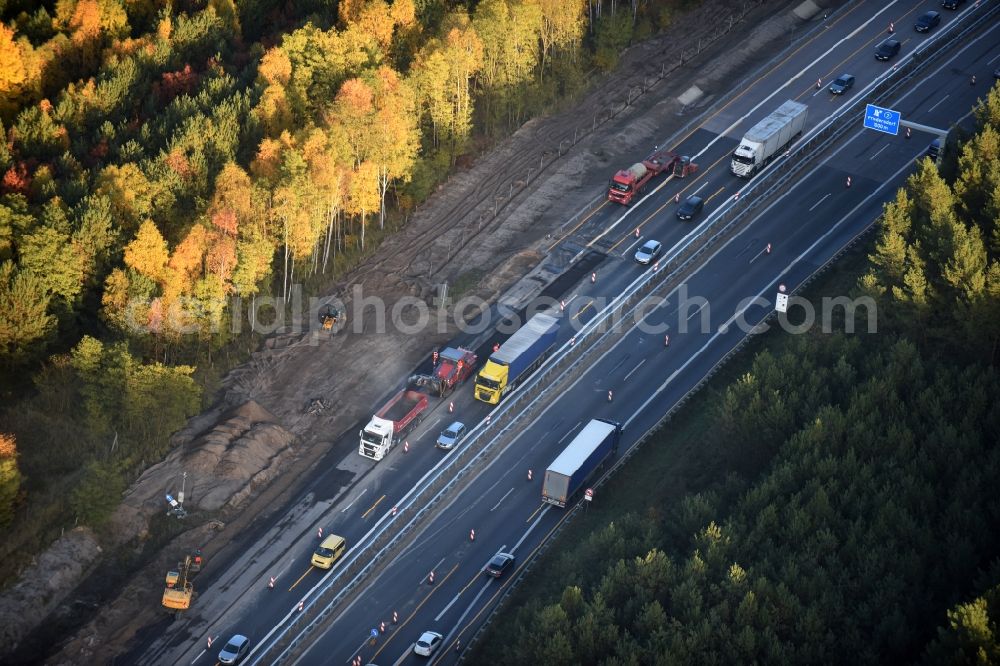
<point>329,551</point>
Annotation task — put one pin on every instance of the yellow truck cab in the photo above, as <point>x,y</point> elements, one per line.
<point>491,382</point>
<point>329,551</point>
<point>517,358</point>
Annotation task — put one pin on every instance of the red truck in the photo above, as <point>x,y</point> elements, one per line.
<point>389,424</point>
<point>454,366</point>
<point>628,183</point>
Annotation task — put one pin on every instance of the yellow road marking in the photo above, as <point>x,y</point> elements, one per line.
<point>372,507</point>
<point>308,571</point>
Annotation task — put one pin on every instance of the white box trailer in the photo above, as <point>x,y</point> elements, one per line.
<point>766,139</point>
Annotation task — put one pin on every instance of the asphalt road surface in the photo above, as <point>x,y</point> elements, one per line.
<point>810,223</point>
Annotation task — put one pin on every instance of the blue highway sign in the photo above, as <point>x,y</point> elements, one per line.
<point>882,120</point>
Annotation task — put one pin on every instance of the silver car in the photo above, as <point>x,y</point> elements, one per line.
<point>451,436</point>
<point>649,251</point>
<point>428,642</point>
<point>235,650</point>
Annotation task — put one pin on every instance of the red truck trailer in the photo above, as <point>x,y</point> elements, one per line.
<point>628,183</point>
<point>389,424</point>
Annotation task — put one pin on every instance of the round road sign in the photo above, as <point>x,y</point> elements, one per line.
<point>781,288</point>
<point>588,494</point>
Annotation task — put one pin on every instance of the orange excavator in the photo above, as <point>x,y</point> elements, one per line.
<point>179,590</point>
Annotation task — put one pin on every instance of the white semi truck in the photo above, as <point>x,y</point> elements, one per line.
<point>767,138</point>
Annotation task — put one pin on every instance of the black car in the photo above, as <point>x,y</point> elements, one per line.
<point>842,84</point>
<point>500,563</point>
<point>951,4</point>
<point>927,21</point>
<point>887,49</point>
<point>934,149</point>
<point>690,208</point>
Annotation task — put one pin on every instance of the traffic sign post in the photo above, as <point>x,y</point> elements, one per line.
<point>781,299</point>
<point>882,120</point>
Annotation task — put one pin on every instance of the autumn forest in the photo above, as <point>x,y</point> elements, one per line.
<point>165,162</point>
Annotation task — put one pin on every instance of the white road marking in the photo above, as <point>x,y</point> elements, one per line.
<point>354,500</point>
<point>631,247</point>
<point>825,196</point>
<point>568,433</point>
<point>530,529</point>
<point>433,568</point>
<point>877,152</point>
<point>634,369</point>
<point>700,308</point>
<point>502,499</point>
<point>939,101</point>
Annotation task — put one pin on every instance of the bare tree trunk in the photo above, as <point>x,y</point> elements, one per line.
<point>284,288</point>
<point>383,187</point>
<point>329,236</point>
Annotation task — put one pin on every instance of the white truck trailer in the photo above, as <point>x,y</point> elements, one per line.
<point>768,138</point>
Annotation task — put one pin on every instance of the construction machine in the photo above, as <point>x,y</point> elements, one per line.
<point>179,590</point>
<point>329,316</point>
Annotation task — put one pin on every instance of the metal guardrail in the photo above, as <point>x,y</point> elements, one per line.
<point>599,334</point>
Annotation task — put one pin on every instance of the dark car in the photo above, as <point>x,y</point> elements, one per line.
<point>690,208</point>
<point>934,149</point>
<point>842,84</point>
<point>952,4</point>
<point>887,49</point>
<point>500,563</point>
<point>927,21</point>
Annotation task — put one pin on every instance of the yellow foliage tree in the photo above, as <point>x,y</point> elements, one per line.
<point>148,254</point>
<point>226,10</point>
<point>363,194</point>
<point>563,23</point>
<point>129,191</point>
<point>187,258</point>
<point>395,136</point>
<point>13,73</point>
<point>376,20</point>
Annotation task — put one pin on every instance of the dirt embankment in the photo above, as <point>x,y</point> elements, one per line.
<point>252,449</point>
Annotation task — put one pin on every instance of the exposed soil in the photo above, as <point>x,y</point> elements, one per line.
<point>494,221</point>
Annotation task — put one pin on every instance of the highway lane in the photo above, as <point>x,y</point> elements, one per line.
<point>636,371</point>
<point>356,492</point>
<point>844,43</point>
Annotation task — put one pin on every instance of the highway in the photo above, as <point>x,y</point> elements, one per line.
<point>808,225</point>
